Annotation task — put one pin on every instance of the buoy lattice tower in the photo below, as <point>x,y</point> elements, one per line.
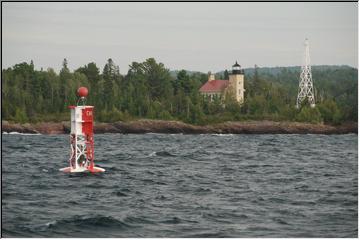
<point>306,88</point>
<point>82,137</point>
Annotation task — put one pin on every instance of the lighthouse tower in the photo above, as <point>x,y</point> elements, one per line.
<point>236,81</point>
<point>82,137</point>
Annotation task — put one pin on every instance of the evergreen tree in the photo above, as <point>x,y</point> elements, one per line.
<point>65,78</point>
<point>226,75</point>
<point>109,76</point>
<point>184,82</point>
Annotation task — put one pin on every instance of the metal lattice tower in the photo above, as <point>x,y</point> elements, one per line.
<point>306,88</point>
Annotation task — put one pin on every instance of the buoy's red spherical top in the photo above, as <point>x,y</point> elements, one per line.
<point>82,92</point>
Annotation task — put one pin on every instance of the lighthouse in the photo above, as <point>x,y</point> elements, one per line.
<point>82,136</point>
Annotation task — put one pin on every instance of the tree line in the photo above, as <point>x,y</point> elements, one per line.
<point>150,90</point>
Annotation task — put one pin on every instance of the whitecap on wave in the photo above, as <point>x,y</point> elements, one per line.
<point>152,154</point>
<point>222,134</point>
<point>17,133</point>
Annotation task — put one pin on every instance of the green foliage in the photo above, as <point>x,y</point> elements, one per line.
<point>330,112</point>
<point>149,90</point>
<point>308,114</point>
<point>20,116</point>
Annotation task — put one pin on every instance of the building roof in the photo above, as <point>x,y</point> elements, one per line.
<point>236,64</point>
<point>214,86</point>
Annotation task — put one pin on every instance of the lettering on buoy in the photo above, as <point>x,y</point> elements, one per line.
<point>82,137</point>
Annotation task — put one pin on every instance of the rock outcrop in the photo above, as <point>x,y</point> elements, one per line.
<point>160,126</point>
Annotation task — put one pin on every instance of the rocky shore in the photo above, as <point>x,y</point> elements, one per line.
<point>160,126</point>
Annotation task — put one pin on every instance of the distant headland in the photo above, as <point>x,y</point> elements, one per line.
<point>199,102</point>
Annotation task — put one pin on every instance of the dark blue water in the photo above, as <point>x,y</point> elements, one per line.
<point>159,185</point>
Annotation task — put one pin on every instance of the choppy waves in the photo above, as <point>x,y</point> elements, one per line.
<point>159,185</point>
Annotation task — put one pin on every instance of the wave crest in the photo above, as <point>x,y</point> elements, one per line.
<point>85,221</point>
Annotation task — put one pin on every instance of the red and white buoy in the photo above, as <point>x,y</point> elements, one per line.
<point>82,137</point>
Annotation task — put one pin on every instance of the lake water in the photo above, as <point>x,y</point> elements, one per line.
<point>159,185</point>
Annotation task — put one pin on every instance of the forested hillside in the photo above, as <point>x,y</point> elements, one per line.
<point>150,90</point>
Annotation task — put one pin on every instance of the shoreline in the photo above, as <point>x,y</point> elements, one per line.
<point>171,127</point>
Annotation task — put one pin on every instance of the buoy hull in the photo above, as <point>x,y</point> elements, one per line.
<point>81,169</point>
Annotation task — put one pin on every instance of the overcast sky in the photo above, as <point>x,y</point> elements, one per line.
<point>192,36</point>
